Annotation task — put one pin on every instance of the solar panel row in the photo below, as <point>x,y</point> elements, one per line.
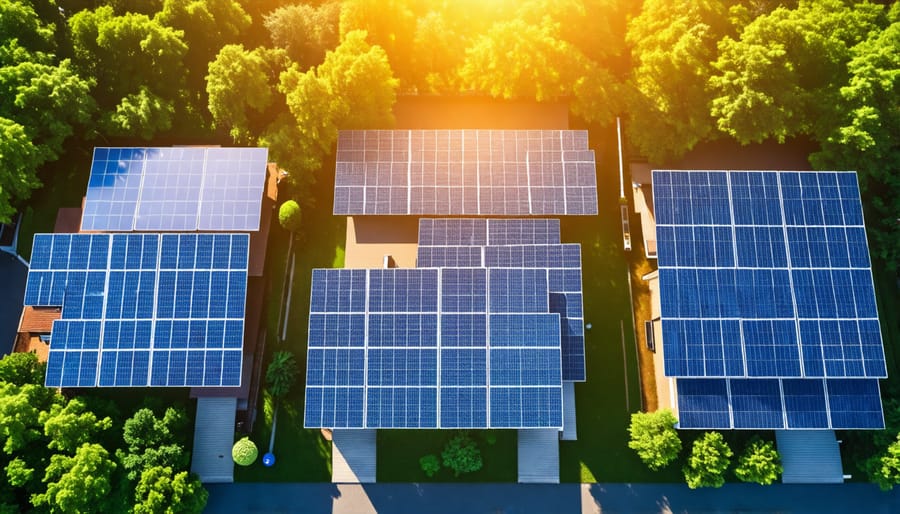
<point>779,403</point>
<point>420,348</point>
<point>778,262</point>
<point>142,309</point>
<point>464,172</point>
<point>175,189</point>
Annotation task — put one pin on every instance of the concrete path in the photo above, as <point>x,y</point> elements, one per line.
<point>538,498</point>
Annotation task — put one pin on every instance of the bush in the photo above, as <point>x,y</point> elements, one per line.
<point>430,464</point>
<point>22,368</point>
<point>654,438</point>
<point>289,216</point>
<point>244,452</point>
<point>884,468</point>
<point>281,373</point>
<point>462,455</point>
<point>759,463</point>
<point>708,462</point>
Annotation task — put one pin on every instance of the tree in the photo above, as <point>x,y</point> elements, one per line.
<point>430,464</point>
<point>20,410</point>
<point>654,438</point>
<point>282,371</point>
<point>153,441</point>
<point>25,36</point>
<point>77,484</point>
<point>782,76</point>
<point>162,490</point>
<point>709,459</point>
<point>305,31</point>
<point>353,88</point>
<point>884,469</point>
<point>673,46</point>
<point>242,89</point>
<point>462,455</point>
<point>20,368</point>
<point>18,473</point>
<point>390,25</point>
<point>289,216</point>
<point>138,63</point>
<point>760,463</point>
<point>71,426</point>
<point>244,452</point>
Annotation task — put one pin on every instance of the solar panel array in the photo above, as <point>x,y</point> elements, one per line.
<point>175,189</point>
<point>766,275</point>
<point>516,243</point>
<point>432,348</point>
<point>465,172</point>
<point>142,309</point>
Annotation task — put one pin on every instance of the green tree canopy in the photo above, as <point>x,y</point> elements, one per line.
<point>282,371</point>
<point>782,76</point>
<point>20,410</point>
<point>80,483</point>
<point>244,452</point>
<point>462,455</point>
<point>71,426</point>
<point>709,459</point>
<point>884,469</point>
<point>654,438</point>
<point>152,441</point>
<point>242,89</point>
<point>759,463</point>
<point>20,368</point>
<point>162,490</point>
<point>305,31</point>
<point>289,216</point>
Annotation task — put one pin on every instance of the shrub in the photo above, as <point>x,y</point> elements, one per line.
<point>289,216</point>
<point>430,464</point>
<point>654,438</point>
<point>710,457</point>
<point>462,455</point>
<point>244,452</point>
<point>759,463</point>
<point>281,373</point>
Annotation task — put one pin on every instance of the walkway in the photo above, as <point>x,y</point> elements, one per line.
<point>315,498</point>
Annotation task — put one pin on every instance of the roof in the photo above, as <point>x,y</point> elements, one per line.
<point>809,457</point>
<point>478,112</point>
<point>68,220</point>
<point>353,456</point>
<point>259,240</point>
<point>538,456</point>
<point>38,320</point>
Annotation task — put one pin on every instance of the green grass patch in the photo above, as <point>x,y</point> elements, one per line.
<point>301,455</point>
<point>399,452</point>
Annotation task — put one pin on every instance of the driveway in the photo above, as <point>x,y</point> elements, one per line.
<point>556,499</point>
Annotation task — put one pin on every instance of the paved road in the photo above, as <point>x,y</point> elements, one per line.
<point>539,499</point>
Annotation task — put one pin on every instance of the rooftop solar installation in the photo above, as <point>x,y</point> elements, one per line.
<point>766,276</point>
<point>175,189</point>
<point>142,309</point>
<point>516,243</point>
<point>432,348</point>
<point>465,172</point>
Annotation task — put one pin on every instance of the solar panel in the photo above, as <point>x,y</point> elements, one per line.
<point>142,309</point>
<point>808,403</point>
<point>412,348</point>
<point>465,172</point>
<point>175,189</point>
<point>766,276</point>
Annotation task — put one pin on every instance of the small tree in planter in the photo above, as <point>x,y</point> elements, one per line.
<point>760,463</point>
<point>462,455</point>
<point>710,457</point>
<point>430,464</point>
<point>289,216</point>
<point>244,452</point>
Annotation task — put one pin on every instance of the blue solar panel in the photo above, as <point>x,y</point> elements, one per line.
<point>464,172</point>
<point>122,295</point>
<point>175,189</point>
<point>703,403</point>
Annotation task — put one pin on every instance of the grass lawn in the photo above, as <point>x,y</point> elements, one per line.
<point>399,452</point>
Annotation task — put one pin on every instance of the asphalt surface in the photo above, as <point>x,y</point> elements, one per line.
<point>315,498</point>
<point>12,284</point>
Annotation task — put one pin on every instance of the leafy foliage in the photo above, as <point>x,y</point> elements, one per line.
<point>244,452</point>
<point>77,484</point>
<point>20,368</point>
<point>709,459</point>
<point>654,438</point>
<point>151,441</point>
<point>71,426</point>
<point>462,455</point>
<point>430,464</point>
<point>289,216</point>
<point>162,490</point>
<point>20,411</point>
<point>305,31</point>
<point>759,463</point>
<point>281,373</point>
